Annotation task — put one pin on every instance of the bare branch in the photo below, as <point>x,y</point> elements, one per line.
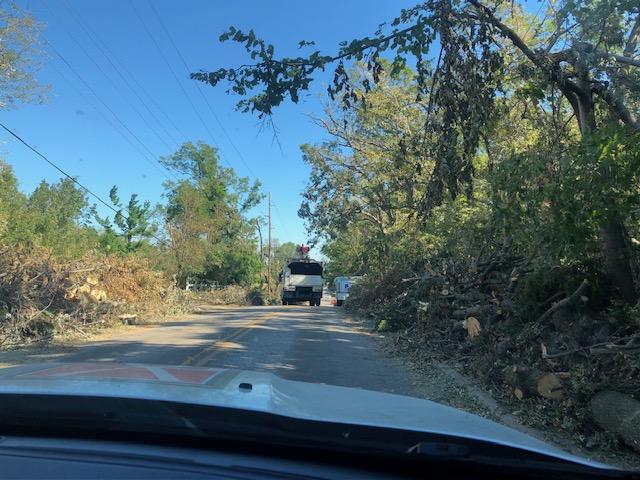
<point>618,58</point>
<point>507,32</point>
<point>618,106</point>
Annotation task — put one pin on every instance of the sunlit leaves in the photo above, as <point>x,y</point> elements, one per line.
<point>205,214</point>
<point>20,58</point>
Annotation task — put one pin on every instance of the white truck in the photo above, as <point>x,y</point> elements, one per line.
<point>341,286</point>
<point>302,279</point>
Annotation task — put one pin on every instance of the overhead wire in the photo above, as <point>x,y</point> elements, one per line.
<point>84,82</point>
<point>204,97</point>
<point>86,99</point>
<point>109,79</point>
<point>73,179</point>
<point>114,114</point>
<point>280,219</point>
<point>206,100</point>
<point>104,47</point>
<point>176,79</point>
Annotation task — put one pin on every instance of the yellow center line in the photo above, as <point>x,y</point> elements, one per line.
<point>201,358</point>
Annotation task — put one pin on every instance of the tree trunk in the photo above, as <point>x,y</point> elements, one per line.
<point>616,255</point>
<point>618,413</point>
<point>617,261</point>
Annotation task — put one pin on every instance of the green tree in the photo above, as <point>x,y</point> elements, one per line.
<point>373,170</point>
<point>14,226</point>
<point>135,223</point>
<point>59,215</point>
<point>20,58</point>
<point>586,50</point>
<point>280,253</point>
<point>206,213</point>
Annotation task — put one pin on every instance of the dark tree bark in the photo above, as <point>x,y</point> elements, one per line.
<point>617,260</point>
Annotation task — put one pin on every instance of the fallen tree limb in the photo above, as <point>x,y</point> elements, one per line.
<point>553,298</point>
<point>573,299</point>
<point>618,413</point>
<point>596,348</point>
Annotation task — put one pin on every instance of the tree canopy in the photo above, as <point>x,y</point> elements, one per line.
<point>573,61</point>
<point>205,216</point>
<point>20,58</point>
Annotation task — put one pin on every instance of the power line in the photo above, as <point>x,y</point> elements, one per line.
<point>103,47</point>
<point>73,179</point>
<point>184,91</point>
<point>104,104</point>
<point>169,36</point>
<point>58,168</point>
<point>110,110</point>
<point>79,92</point>
<point>280,219</point>
<point>176,79</point>
<point>117,89</point>
<point>166,31</point>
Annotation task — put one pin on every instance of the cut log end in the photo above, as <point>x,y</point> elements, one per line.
<point>549,386</point>
<point>532,383</point>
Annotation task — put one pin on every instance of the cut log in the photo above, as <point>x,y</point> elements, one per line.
<point>533,383</point>
<point>514,278</point>
<point>618,413</point>
<point>549,386</point>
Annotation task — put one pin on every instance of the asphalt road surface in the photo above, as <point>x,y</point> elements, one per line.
<point>297,342</point>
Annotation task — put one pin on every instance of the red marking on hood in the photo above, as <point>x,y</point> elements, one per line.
<point>68,370</point>
<point>115,371</point>
<point>191,375</point>
<point>127,372</point>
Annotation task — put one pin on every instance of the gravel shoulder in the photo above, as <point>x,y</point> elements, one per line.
<point>445,384</point>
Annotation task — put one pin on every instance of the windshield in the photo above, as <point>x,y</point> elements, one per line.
<point>467,169</point>
<point>302,268</point>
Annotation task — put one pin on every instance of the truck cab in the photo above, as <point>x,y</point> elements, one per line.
<point>302,279</point>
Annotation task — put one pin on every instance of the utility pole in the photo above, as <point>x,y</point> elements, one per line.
<point>269,250</point>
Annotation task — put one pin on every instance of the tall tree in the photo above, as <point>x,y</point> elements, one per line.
<point>59,217</point>
<point>13,221</point>
<point>373,171</point>
<point>206,211</point>
<point>585,49</point>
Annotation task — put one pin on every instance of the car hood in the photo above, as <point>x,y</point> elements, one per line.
<point>264,392</point>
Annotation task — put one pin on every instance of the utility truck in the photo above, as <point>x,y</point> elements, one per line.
<point>302,279</point>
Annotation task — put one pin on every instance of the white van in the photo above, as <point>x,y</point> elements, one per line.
<point>341,287</point>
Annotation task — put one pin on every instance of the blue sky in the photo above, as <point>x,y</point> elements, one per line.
<point>108,131</point>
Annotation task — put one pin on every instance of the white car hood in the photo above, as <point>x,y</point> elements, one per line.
<point>261,391</point>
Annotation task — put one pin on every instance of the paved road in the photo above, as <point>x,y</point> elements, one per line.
<point>297,342</point>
